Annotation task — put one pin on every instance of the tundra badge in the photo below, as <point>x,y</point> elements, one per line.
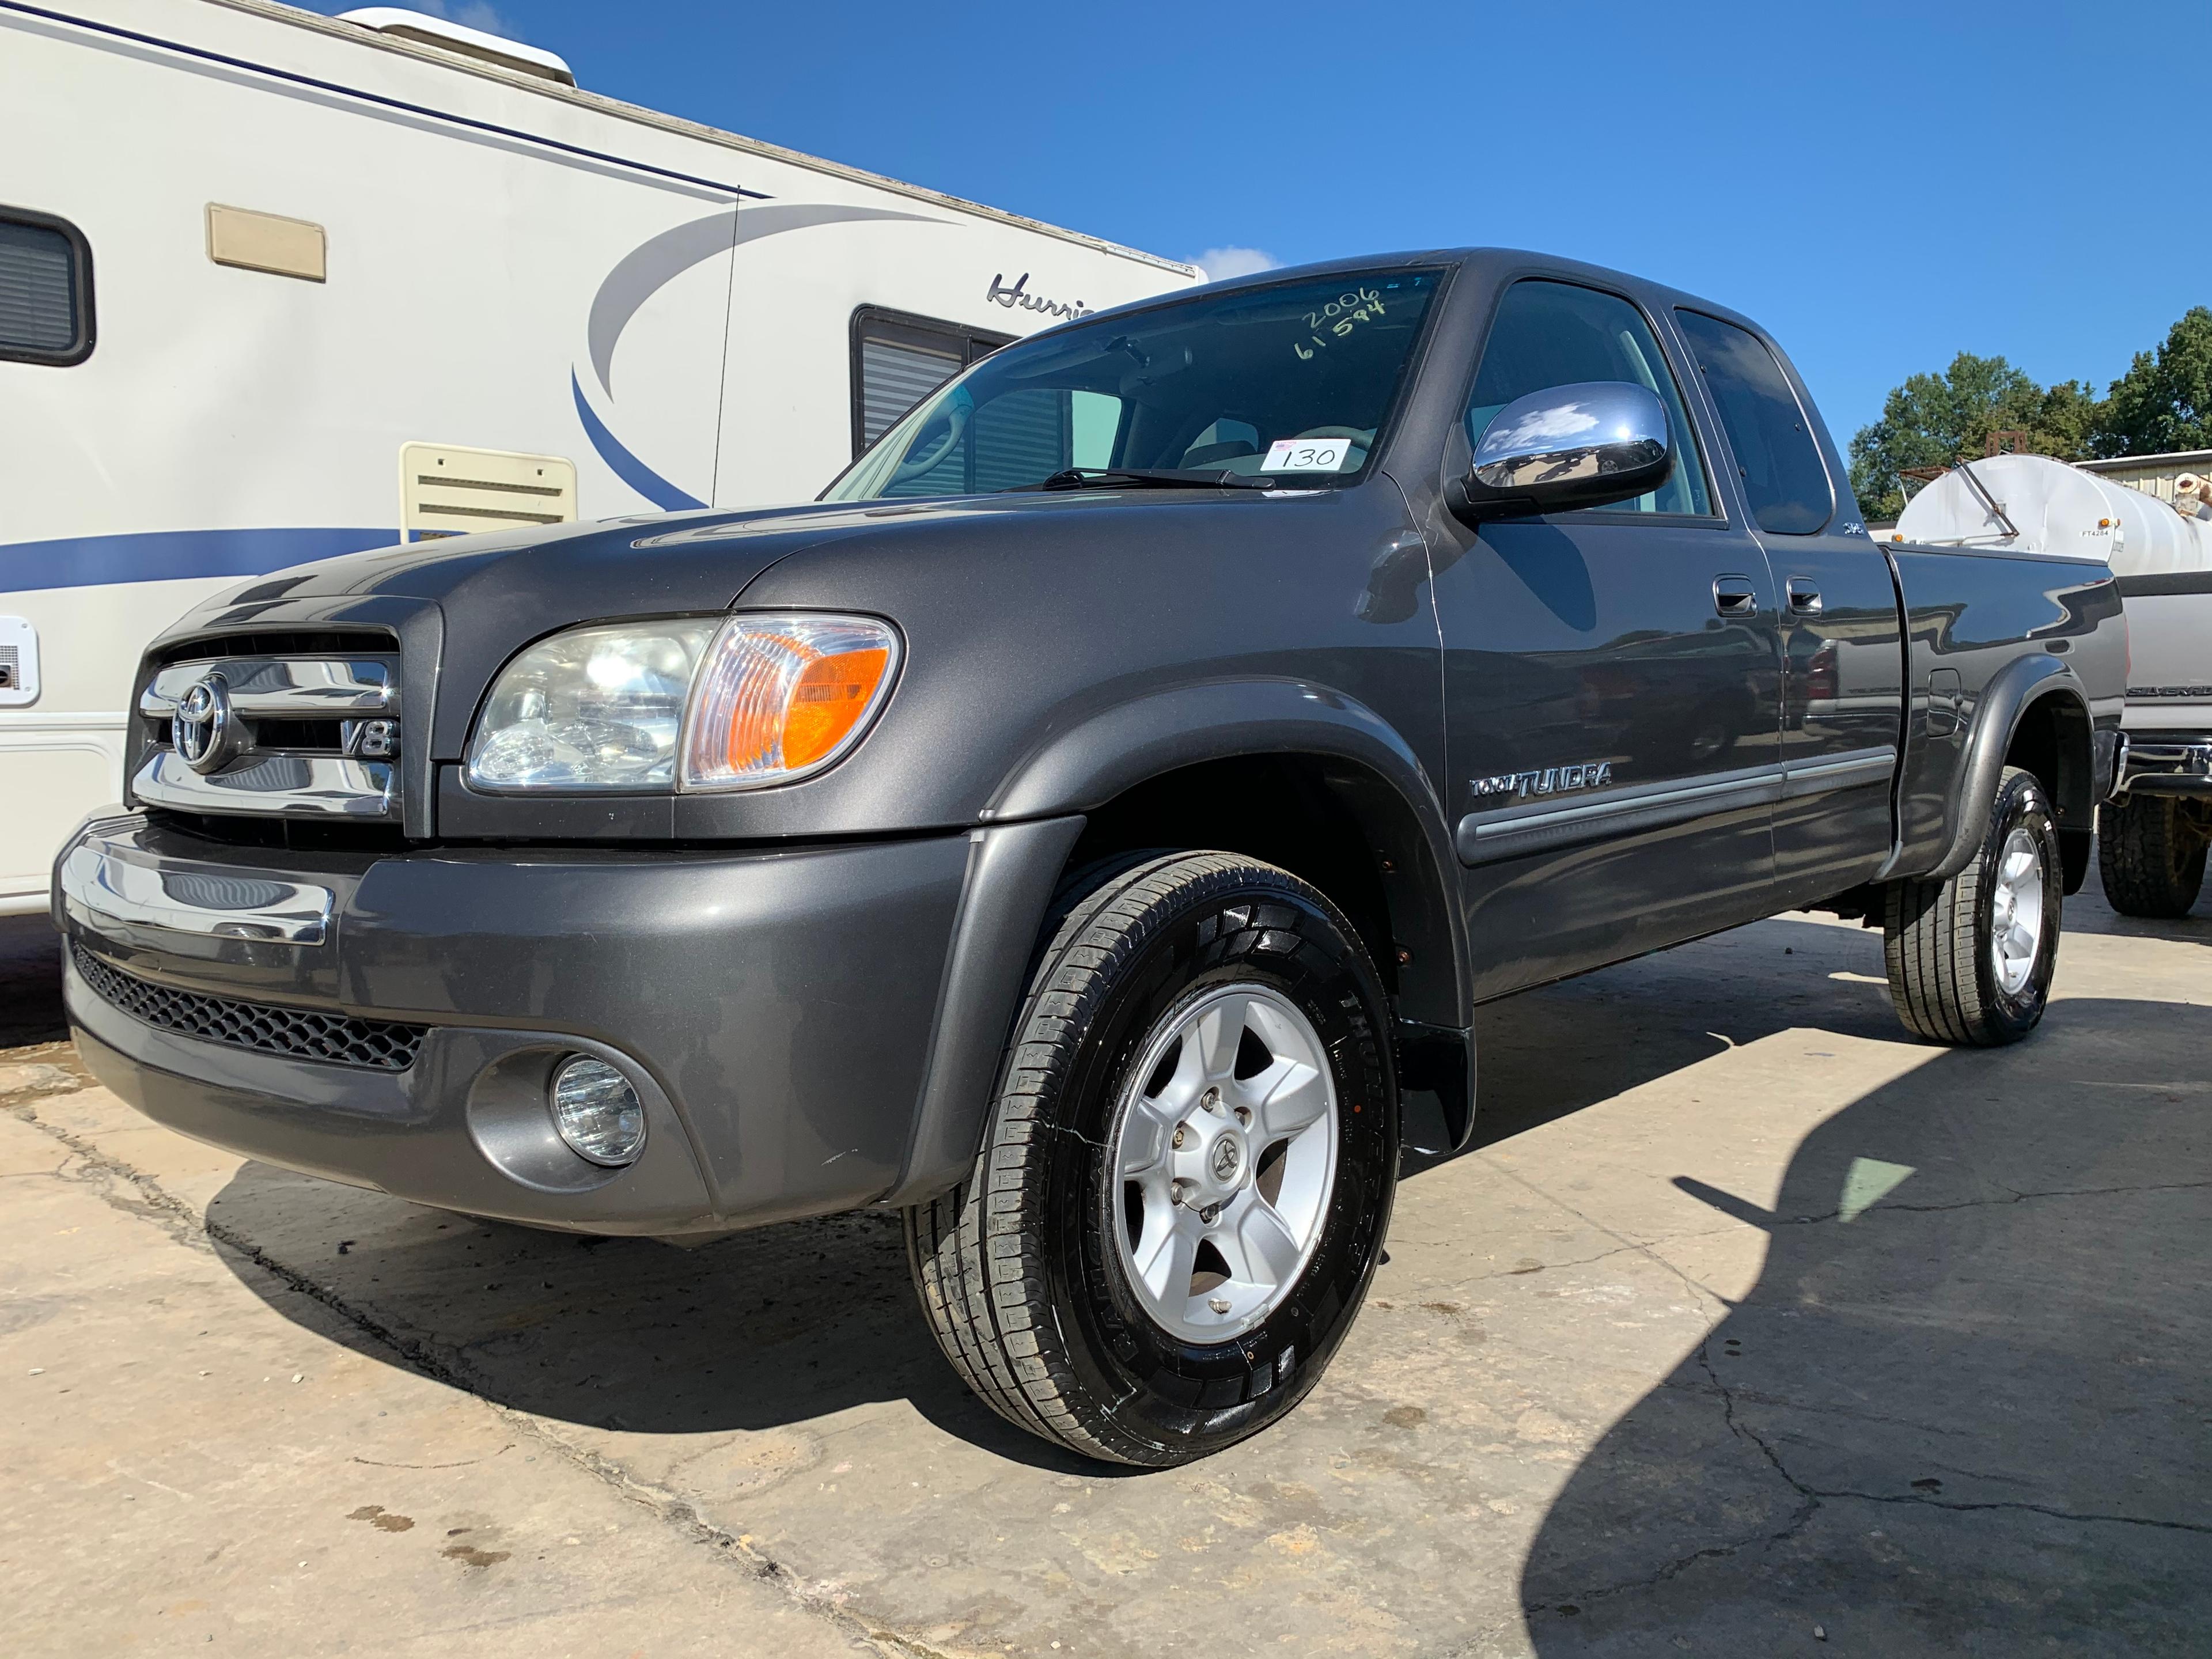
<point>1590,775</point>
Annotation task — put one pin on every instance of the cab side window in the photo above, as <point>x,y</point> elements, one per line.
<point>1785,483</point>
<point>1549,334</point>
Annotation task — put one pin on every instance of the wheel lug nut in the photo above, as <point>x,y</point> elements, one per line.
<point>1244,1115</point>
<point>1179,1136</point>
<point>1207,1214</point>
<point>1211,1100</point>
<point>1179,1191</point>
<point>1219,1305</point>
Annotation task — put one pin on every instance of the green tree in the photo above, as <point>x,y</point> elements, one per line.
<point>1934,420</point>
<point>2164,401</point>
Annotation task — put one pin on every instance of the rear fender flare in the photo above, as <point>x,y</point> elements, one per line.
<point>2005,701</point>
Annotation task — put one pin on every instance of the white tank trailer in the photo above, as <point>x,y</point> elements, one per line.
<point>2154,834</point>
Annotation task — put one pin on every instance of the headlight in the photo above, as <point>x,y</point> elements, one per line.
<point>694,702</point>
<point>592,708</point>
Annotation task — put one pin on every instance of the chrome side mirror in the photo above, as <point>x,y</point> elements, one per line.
<point>1567,447</point>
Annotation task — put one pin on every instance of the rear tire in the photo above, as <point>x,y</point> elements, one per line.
<point>2150,852</point>
<point>1034,1274</point>
<point>1970,958</point>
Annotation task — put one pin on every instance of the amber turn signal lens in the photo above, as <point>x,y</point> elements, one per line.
<point>832,693</point>
<point>781,696</point>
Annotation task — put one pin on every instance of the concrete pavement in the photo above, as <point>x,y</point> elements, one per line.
<point>1752,1327</point>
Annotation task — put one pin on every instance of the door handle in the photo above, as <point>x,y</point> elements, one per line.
<point>1804,597</point>
<point>1736,596</point>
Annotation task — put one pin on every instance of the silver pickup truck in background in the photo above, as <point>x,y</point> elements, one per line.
<point>2155,830</point>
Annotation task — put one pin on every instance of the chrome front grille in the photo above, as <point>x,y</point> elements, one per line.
<point>313,737</point>
<point>301,1033</point>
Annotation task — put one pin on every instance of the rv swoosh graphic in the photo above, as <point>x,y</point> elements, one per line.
<point>660,260</point>
<point>650,267</point>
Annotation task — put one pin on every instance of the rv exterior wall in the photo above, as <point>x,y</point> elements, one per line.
<point>505,266</point>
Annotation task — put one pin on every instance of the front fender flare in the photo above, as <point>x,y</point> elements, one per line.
<point>1035,816</point>
<point>1363,760</point>
<point>1088,763</point>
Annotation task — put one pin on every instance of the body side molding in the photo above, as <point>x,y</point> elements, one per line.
<point>1510,832</point>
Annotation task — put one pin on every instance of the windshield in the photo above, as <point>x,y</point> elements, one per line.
<point>1289,382</point>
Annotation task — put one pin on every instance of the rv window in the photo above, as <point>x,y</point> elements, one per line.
<point>46,290</point>
<point>898,359</point>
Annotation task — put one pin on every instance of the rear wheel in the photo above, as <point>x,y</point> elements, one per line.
<point>1188,1170</point>
<point>1970,957</point>
<point>2150,852</point>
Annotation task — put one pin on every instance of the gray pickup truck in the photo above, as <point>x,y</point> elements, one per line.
<point>1080,828</point>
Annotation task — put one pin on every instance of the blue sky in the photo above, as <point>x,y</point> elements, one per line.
<point>1881,185</point>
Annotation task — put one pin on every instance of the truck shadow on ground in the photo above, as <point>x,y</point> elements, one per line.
<point>1964,1408</point>
<point>792,1324</point>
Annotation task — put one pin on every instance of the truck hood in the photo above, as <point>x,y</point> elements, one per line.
<point>492,594</point>
<point>616,567</point>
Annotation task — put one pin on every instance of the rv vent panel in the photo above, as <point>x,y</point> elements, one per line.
<point>447,490</point>
<point>19,662</point>
<point>264,241</point>
<point>462,41</point>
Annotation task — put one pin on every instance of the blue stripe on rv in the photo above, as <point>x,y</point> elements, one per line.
<point>162,555</point>
<point>626,466</point>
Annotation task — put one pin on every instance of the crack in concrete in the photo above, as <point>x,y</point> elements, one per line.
<point>155,1204</point>
<point>1585,1261</point>
<point>2055,1513</point>
<point>2011,1197</point>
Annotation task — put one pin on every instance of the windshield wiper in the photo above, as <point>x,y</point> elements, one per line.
<point>1145,477</point>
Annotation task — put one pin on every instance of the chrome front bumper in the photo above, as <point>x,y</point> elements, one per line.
<point>2180,764</point>
<point>105,877</point>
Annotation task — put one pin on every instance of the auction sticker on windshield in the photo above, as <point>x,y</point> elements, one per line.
<point>1308,455</point>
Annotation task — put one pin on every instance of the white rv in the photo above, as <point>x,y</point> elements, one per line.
<point>275,286</point>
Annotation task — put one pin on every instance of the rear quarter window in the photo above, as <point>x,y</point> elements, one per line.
<point>1786,482</point>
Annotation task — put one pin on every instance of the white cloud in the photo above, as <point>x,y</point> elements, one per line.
<point>1220,264</point>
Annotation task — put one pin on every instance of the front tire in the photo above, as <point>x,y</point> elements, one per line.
<point>1187,1171</point>
<point>2150,852</point>
<point>1970,958</point>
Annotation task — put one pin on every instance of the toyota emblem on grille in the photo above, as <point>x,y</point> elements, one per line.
<point>203,728</point>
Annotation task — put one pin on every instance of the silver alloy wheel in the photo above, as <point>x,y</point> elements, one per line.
<point>2016,912</point>
<point>1223,1180</point>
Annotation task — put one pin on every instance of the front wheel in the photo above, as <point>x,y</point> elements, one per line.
<point>1187,1172</point>
<point>1970,957</point>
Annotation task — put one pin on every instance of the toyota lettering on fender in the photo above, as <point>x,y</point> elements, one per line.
<point>1077,830</point>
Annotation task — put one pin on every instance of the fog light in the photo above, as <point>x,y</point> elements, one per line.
<point>597,1112</point>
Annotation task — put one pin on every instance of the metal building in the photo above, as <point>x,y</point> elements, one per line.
<point>2152,474</point>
